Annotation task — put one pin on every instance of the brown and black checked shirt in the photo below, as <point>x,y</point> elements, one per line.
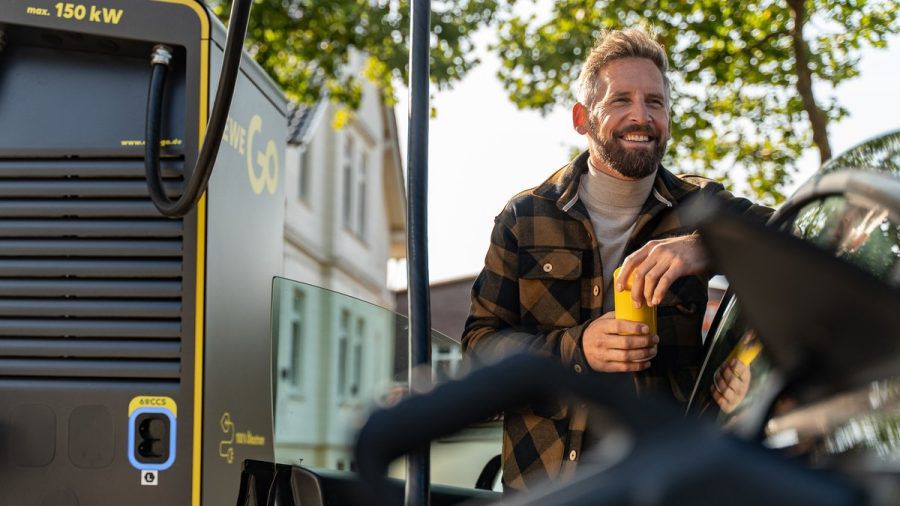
<point>542,284</point>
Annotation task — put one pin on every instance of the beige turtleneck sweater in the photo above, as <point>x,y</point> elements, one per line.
<point>613,205</point>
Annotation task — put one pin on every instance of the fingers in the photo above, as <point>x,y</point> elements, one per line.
<point>741,381</point>
<point>612,345</point>
<point>664,283</point>
<point>650,281</point>
<point>629,342</point>
<point>735,373</point>
<point>724,405</point>
<point>657,265</point>
<point>639,280</point>
<point>723,387</point>
<point>632,355</point>
<point>622,327</point>
<point>730,385</point>
<point>607,332</point>
<point>740,369</point>
<point>629,264</point>
<point>617,366</point>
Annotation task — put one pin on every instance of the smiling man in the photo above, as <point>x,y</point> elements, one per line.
<point>546,285</point>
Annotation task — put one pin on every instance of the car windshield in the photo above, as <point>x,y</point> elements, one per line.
<point>335,358</point>
<point>861,425</point>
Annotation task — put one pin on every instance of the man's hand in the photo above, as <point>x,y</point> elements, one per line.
<point>658,264</point>
<point>730,385</point>
<point>612,345</point>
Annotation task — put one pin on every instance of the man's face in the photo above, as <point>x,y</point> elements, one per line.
<point>628,123</point>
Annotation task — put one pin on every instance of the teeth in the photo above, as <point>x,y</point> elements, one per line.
<point>637,138</point>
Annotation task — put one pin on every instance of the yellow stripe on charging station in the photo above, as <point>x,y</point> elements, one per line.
<point>200,304</point>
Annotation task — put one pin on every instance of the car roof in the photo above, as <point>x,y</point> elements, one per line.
<point>881,154</point>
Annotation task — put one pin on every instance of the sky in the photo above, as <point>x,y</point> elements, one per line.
<point>483,150</point>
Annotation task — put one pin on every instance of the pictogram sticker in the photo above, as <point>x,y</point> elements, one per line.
<point>149,478</point>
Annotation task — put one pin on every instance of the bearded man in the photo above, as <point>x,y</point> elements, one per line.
<point>547,281</point>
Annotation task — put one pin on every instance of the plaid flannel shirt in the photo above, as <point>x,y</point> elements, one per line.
<point>542,284</point>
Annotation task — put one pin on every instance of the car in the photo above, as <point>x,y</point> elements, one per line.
<point>851,210</point>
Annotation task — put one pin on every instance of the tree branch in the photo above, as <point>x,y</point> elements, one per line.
<point>769,36</point>
<point>817,117</point>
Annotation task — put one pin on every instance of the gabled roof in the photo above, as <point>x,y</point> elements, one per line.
<point>304,120</point>
<point>394,181</point>
<point>300,120</point>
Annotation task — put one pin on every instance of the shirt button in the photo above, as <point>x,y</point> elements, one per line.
<point>572,455</point>
<point>548,267</point>
<point>578,368</point>
<point>596,290</point>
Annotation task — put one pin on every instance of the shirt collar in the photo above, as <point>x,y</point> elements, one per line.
<point>562,186</point>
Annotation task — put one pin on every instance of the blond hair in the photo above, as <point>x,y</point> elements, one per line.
<point>614,45</point>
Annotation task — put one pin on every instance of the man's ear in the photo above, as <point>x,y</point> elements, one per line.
<point>580,118</point>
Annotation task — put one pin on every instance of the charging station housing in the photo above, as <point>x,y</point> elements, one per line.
<point>135,350</point>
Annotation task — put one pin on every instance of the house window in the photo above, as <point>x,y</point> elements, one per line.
<point>298,306</point>
<point>361,196</point>
<point>348,183</point>
<point>357,357</point>
<point>304,175</point>
<point>343,344</point>
<point>354,200</point>
<point>446,359</point>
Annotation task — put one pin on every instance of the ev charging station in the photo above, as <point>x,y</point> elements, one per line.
<point>135,348</point>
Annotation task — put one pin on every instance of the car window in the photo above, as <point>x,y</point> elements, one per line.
<point>731,335</point>
<point>859,422</point>
<point>855,231</point>
<point>335,358</point>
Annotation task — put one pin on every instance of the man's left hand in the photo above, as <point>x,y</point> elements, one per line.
<point>658,264</point>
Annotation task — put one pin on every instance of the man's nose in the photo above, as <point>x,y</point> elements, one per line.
<point>639,112</point>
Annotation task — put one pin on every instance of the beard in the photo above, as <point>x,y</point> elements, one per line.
<point>634,163</point>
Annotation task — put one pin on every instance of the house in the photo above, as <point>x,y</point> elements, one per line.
<point>345,218</point>
<point>450,301</point>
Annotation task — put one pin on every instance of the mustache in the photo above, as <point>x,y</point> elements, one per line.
<point>647,129</point>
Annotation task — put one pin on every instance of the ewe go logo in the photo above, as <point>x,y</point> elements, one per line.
<point>262,164</point>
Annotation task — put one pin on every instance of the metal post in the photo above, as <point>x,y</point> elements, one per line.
<point>418,462</point>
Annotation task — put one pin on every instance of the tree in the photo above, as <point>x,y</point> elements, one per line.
<point>305,44</point>
<point>743,93</point>
<point>744,72</point>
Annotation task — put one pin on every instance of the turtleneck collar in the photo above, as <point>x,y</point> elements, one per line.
<point>601,189</point>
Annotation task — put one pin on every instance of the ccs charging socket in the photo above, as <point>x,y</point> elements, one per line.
<point>151,438</point>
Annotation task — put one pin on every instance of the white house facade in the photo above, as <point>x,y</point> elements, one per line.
<point>345,218</point>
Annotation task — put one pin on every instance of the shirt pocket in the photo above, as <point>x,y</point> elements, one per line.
<point>550,287</point>
<point>550,263</point>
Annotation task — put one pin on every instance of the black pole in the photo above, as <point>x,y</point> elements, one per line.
<point>418,462</point>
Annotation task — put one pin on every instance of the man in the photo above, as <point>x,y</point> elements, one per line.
<point>547,281</point>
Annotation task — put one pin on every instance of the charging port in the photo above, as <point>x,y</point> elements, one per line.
<point>153,439</point>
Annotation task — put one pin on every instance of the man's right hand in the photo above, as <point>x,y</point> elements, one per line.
<point>612,345</point>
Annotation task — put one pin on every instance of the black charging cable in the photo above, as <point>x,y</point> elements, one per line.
<point>198,177</point>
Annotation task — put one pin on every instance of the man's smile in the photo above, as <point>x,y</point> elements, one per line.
<point>637,140</point>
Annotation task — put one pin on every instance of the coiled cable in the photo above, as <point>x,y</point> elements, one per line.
<point>198,178</point>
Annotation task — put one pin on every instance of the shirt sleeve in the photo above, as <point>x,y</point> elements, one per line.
<point>492,330</point>
<point>740,205</point>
